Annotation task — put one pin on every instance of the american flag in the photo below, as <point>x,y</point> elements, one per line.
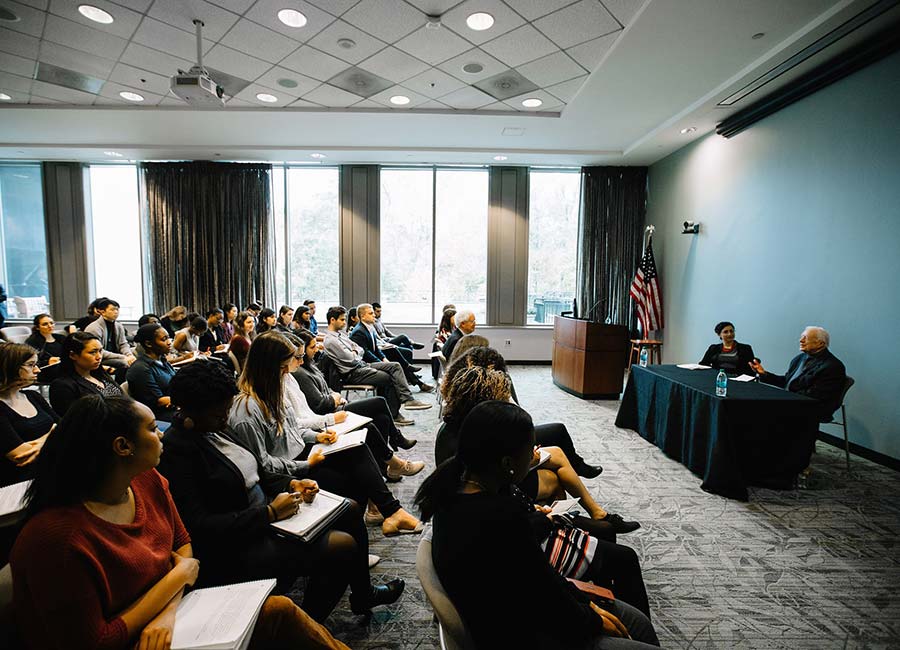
<point>646,293</point>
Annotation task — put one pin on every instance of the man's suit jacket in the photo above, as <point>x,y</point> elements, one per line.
<point>822,378</point>
<point>360,335</point>
<point>450,343</point>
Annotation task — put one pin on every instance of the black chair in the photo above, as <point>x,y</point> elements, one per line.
<point>336,381</point>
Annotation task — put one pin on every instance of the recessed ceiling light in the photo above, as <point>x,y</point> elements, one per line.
<point>500,158</point>
<point>4,97</point>
<point>400,100</point>
<point>480,21</point>
<point>292,18</point>
<point>95,13</point>
<point>687,130</point>
<point>473,68</point>
<point>113,154</point>
<point>531,102</point>
<point>346,43</point>
<point>7,16</point>
<point>130,96</point>
<point>267,98</point>
<point>317,155</point>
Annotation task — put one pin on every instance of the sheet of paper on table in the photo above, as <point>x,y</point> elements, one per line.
<point>742,378</point>
<point>693,366</point>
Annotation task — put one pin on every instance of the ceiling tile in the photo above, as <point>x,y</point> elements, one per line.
<point>14,82</point>
<point>237,6</point>
<point>80,37</point>
<point>62,94</point>
<point>16,96</point>
<point>304,83</point>
<point>64,57</point>
<point>253,39</point>
<point>168,39</point>
<point>326,95</point>
<point>181,14</point>
<point>520,46</point>
<point>16,65</point>
<point>112,89</point>
<point>551,69</point>
<point>249,93</point>
<point>433,83</point>
<point>360,82</point>
<point>578,23</point>
<point>34,99</point>
<point>37,4</point>
<point>31,20</point>
<point>567,90</point>
<point>171,101</point>
<point>505,19</point>
<point>467,98</point>
<point>534,9</point>
<point>490,66</point>
<point>146,58</point>
<point>19,43</point>
<point>384,98</point>
<point>388,20</point>
<point>394,65</point>
<point>433,45</point>
<point>313,63</point>
<point>235,63</point>
<point>126,21</point>
<point>549,101</point>
<point>265,12</point>
<point>137,5</point>
<point>334,7</point>
<point>497,106</point>
<point>434,7</point>
<point>367,103</point>
<point>136,78</point>
<point>433,105</point>
<point>299,103</point>
<point>623,10</point>
<point>589,54</point>
<point>508,83</point>
<point>327,41</point>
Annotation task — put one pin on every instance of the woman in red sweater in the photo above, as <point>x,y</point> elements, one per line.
<point>103,558</point>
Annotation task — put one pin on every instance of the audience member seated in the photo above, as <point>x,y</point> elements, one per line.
<point>444,330</point>
<point>230,312</point>
<point>266,321</point>
<point>386,376</point>
<point>465,324</point>
<point>174,320</point>
<point>93,313</point>
<point>48,345</point>
<point>352,319</point>
<point>80,373</point>
<point>486,555</point>
<point>122,557</point>
<point>25,417</point>
<point>301,318</point>
<point>730,356</point>
<point>323,401</point>
<point>404,345</point>
<point>213,339</point>
<point>228,499</point>
<point>285,318</point>
<point>815,372</point>
<point>266,423</point>
<point>364,336</point>
<point>254,308</point>
<point>117,353</point>
<point>313,324</point>
<point>187,339</point>
<point>243,335</point>
<point>551,479</point>
<point>465,344</point>
<point>149,376</point>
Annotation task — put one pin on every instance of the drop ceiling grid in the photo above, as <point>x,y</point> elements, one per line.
<point>234,30</point>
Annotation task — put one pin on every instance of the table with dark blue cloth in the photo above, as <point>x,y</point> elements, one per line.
<point>757,435</point>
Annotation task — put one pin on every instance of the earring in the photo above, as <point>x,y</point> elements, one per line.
<point>511,472</point>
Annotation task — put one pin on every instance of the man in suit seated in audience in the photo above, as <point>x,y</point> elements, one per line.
<point>815,372</point>
<point>465,324</point>
<point>387,376</point>
<point>401,340</point>
<point>213,339</point>
<point>365,336</point>
<point>117,353</point>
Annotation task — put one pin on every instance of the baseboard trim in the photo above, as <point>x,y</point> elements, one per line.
<point>857,450</point>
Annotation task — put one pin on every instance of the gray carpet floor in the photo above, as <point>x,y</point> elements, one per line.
<point>815,568</point>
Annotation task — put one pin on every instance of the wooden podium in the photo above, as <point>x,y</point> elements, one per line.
<point>589,358</point>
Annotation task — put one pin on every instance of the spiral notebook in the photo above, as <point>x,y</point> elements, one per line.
<point>12,502</point>
<point>313,518</point>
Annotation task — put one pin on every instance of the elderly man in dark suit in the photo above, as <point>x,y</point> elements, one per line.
<point>365,336</point>
<point>815,372</point>
<point>465,324</point>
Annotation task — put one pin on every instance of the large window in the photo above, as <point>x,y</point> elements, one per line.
<point>552,243</point>
<point>433,242</point>
<point>116,232</point>
<point>23,249</point>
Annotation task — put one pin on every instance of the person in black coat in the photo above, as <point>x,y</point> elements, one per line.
<point>729,355</point>
<point>365,336</point>
<point>80,373</point>
<point>48,344</point>
<point>815,372</point>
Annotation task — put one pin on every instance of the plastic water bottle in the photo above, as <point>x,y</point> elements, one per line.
<point>644,355</point>
<point>721,384</point>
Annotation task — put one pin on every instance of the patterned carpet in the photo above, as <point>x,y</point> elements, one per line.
<point>817,568</point>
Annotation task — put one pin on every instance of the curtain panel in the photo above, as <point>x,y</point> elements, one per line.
<point>210,232</point>
<point>614,208</point>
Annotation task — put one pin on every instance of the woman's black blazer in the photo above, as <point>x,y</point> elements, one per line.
<point>745,356</point>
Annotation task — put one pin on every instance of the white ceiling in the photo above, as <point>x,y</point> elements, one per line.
<point>665,71</point>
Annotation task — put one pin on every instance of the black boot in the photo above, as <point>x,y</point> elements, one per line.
<point>380,595</point>
<point>398,441</point>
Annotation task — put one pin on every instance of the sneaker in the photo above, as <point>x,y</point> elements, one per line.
<point>409,468</point>
<point>426,388</point>
<point>416,405</point>
<point>401,421</point>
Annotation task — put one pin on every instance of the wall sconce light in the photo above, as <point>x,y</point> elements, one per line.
<point>690,228</point>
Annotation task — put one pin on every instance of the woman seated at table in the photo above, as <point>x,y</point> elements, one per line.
<point>48,344</point>
<point>486,555</point>
<point>228,499</point>
<point>240,341</point>
<point>729,355</point>
<point>80,373</point>
<point>149,376</point>
<point>103,559</point>
<point>550,480</point>
<point>266,424</point>
<point>187,339</point>
<point>174,319</point>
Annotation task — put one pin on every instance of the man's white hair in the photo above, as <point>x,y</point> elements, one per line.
<point>820,332</point>
<point>361,306</point>
<point>463,315</point>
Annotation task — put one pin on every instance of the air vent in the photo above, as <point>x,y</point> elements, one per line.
<point>52,74</point>
<point>360,82</point>
<point>505,85</point>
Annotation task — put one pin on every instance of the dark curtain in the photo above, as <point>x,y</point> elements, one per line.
<point>614,207</point>
<point>210,233</point>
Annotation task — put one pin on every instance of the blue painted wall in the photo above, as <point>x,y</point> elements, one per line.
<point>800,226</point>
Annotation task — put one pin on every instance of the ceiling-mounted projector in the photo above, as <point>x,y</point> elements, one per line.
<point>195,86</point>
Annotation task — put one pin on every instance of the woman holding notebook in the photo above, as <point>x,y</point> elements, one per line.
<point>103,559</point>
